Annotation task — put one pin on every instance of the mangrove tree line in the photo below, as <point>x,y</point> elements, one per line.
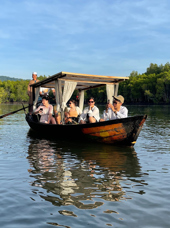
<point>153,86</point>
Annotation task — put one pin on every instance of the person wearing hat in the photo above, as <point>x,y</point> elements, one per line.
<point>29,89</point>
<point>116,110</point>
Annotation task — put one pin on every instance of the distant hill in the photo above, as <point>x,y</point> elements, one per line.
<point>5,78</point>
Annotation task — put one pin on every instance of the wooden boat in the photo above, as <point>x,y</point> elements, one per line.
<point>123,131</point>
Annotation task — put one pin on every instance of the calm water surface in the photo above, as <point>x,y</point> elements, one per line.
<point>47,183</point>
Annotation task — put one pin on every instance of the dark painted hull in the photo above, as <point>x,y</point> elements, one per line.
<point>121,131</point>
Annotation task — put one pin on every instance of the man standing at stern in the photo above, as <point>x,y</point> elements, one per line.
<point>29,89</point>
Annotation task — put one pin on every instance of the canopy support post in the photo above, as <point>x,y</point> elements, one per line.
<point>81,99</point>
<point>36,96</point>
<point>110,89</point>
<point>116,89</point>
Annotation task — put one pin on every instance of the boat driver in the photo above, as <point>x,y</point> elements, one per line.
<point>29,90</point>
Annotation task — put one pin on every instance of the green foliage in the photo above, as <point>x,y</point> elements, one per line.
<point>11,91</point>
<point>15,91</point>
<point>41,77</point>
<point>150,87</point>
<point>2,94</point>
<point>99,94</point>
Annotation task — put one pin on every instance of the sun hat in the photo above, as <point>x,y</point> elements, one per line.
<point>120,98</point>
<point>34,73</point>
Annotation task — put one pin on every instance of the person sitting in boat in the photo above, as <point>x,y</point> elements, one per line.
<point>72,113</point>
<point>45,111</point>
<point>116,111</point>
<point>57,115</point>
<point>90,114</point>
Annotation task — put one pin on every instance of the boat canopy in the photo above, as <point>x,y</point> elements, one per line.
<point>65,83</point>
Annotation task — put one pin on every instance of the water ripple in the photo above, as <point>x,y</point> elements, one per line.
<point>62,183</point>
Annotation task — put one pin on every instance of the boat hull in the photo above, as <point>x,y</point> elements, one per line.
<point>123,131</point>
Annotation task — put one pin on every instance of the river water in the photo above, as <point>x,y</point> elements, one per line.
<point>46,183</point>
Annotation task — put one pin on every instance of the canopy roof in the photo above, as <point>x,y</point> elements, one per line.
<point>84,81</point>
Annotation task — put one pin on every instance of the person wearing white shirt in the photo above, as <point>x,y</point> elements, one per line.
<point>116,111</point>
<point>90,114</point>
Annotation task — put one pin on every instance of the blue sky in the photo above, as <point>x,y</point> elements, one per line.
<point>106,37</point>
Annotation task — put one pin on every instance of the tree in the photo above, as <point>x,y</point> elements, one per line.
<point>2,95</point>
<point>163,87</point>
<point>153,68</point>
<point>133,74</point>
<point>42,77</point>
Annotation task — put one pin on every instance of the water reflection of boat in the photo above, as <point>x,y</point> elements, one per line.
<point>116,160</point>
<point>81,177</point>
